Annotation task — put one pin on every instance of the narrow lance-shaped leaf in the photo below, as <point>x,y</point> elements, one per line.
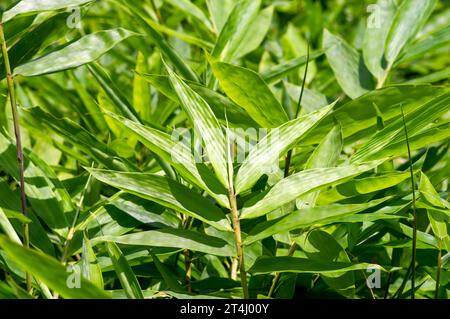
<point>205,124</point>
<point>90,267</point>
<point>235,28</point>
<point>409,19</point>
<point>358,118</point>
<point>166,192</point>
<point>34,6</point>
<point>168,51</point>
<point>220,11</point>
<point>124,272</point>
<point>85,50</point>
<point>177,238</point>
<point>311,100</point>
<point>77,135</point>
<point>30,44</point>
<point>7,228</point>
<point>235,115</point>
<point>178,155</point>
<point>299,184</point>
<point>377,31</point>
<point>362,186</point>
<point>415,121</point>
<point>255,33</point>
<point>430,44</point>
<point>191,9</point>
<point>303,265</point>
<point>319,215</point>
<point>248,90</point>
<point>113,92</point>
<point>348,66</point>
<point>51,272</point>
<point>438,220</point>
<point>325,155</point>
<point>267,152</point>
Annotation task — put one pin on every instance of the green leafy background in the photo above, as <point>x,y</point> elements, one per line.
<point>110,210</point>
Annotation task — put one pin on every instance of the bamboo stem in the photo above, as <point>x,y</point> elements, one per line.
<point>188,270</point>
<point>16,119</point>
<point>238,242</point>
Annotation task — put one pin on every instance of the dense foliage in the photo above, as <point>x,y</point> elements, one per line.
<point>225,149</point>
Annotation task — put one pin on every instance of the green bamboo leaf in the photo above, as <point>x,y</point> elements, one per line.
<point>92,108</point>
<point>50,272</point>
<point>191,9</point>
<point>178,155</point>
<point>377,31</point>
<point>30,44</point>
<point>424,138</point>
<point>299,184</point>
<point>267,265</point>
<point>220,11</point>
<point>87,49</point>
<point>409,19</point>
<point>325,155</point>
<point>235,115</point>
<point>362,186</point>
<point>7,228</point>
<point>348,66</point>
<point>90,267</point>
<point>176,238</point>
<point>10,203</point>
<point>311,100</point>
<point>113,92</point>
<point>205,124</point>
<point>124,272</point>
<point>78,136</point>
<point>24,7</point>
<point>433,42</point>
<point>394,132</point>
<point>168,51</point>
<point>42,192</point>
<point>255,33</point>
<point>234,30</point>
<point>141,89</point>
<point>319,215</point>
<point>267,152</point>
<point>358,118</point>
<point>166,192</point>
<point>438,220</point>
<point>248,90</point>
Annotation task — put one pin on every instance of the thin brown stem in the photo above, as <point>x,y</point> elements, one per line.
<point>277,277</point>
<point>238,242</point>
<point>287,165</point>
<point>235,216</point>
<point>16,119</point>
<point>287,162</point>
